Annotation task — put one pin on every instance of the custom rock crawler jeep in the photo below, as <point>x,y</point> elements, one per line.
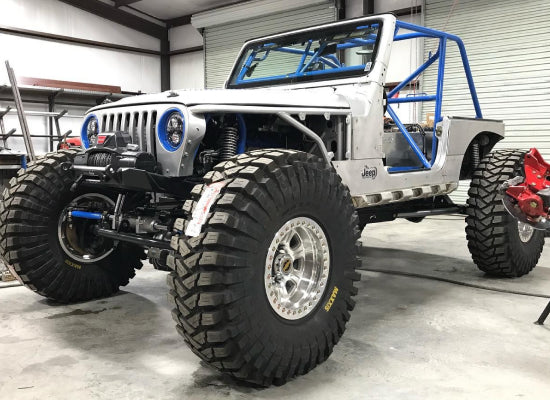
<point>255,195</point>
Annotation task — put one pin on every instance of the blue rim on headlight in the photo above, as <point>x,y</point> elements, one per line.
<point>163,132</point>
<point>84,130</point>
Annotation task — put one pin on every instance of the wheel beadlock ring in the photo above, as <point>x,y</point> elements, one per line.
<point>297,268</point>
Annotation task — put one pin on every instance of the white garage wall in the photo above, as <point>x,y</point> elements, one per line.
<point>186,70</point>
<point>55,60</point>
<point>63,61</point>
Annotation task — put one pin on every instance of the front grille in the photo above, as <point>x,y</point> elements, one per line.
<point>140,125</point>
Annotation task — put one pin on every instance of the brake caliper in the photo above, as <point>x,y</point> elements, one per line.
<point>528,199</point>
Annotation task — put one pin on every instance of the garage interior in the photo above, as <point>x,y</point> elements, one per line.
<point>427,324</point>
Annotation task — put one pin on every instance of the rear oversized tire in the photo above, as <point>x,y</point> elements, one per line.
<point>30,239</point>
<point>264,290</point>
<point>499,244</point>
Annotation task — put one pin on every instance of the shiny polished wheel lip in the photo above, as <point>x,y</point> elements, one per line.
<point>297,268</point>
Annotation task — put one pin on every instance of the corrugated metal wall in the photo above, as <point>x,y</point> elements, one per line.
<point>507,42</point>
<point>223,42</point>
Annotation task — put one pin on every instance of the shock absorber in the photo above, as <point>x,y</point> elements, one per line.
<point>475,154</point>
<point>230,141</point>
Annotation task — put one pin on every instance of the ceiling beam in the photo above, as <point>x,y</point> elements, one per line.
<point>121,17</point>
<point>178,21</point>
<point>69,39</point>
<point>120,3</point>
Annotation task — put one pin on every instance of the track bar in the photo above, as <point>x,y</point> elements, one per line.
<point>126,237</point>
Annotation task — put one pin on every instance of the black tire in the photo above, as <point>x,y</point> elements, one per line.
<point>29,216</point>
<point>492,233</point>
<point>217,287</point>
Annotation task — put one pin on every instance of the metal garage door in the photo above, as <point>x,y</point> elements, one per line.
<point>223,42</point>
<point>507,44</point>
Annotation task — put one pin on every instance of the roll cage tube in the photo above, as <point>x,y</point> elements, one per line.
<point>423,32</point>
<point>333,38</point>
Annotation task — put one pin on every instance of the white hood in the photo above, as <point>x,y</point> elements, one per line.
<point>325,97</point>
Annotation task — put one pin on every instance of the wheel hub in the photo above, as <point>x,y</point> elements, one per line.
<point>76,235</point>
<point>283,263</point>
<point>297,268</point>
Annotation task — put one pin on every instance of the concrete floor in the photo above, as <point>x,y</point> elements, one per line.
<point>409,338</point>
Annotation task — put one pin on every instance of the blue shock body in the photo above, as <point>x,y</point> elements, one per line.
<point>86,215</point>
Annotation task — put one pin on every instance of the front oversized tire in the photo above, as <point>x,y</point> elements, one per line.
<point>29,241</point>
<point>220,288</point>
<point>494,239</point>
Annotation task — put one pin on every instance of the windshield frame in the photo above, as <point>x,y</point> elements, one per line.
<point>304,35</point>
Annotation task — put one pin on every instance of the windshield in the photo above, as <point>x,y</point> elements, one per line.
<point>338,51</point>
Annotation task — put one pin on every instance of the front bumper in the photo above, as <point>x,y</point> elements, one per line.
<point>126,171</point>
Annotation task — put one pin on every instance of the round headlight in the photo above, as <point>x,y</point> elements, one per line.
<point>172,129</point>
<point>90,131</point>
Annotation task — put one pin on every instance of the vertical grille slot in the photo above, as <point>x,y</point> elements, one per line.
<point>134,129</point>
<point>126,123</point>
<point>153,132</point>
<point>118,122</point>
<point>111,122</point>
<point>143,137</point>
<point>104,123</point>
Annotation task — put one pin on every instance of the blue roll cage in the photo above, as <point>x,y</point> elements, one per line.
<point>423,32</point>
<point>417,31</point>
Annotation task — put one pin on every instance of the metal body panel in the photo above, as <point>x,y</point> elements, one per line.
<point>463,130</point>
<point>359,103</point>
<point>456,135</point>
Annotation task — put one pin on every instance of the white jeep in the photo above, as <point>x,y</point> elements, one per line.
<point>254,195</point>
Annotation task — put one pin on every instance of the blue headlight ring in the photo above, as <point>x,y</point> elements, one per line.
<point>163,133</point>
<point>84,130</point>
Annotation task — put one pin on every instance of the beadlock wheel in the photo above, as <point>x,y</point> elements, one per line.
<point>297,268</point>
<point>266,225</point>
